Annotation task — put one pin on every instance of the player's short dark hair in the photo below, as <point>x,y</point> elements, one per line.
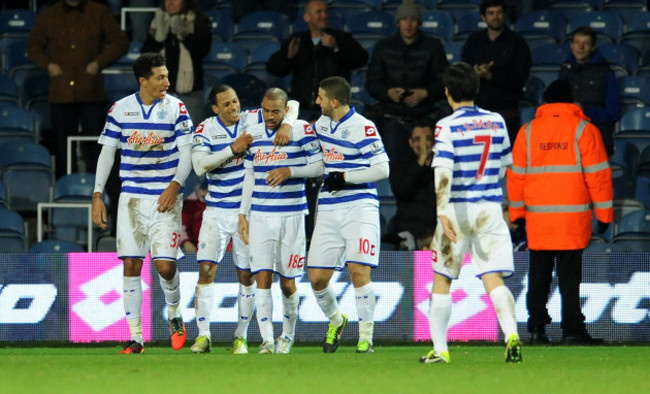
<point>216,90</point>
<point>143,66</point>
<point>337,88</point>
<point>493,3</point>
<point>277,94</point>
<point>585,31</point>
<point>461,81</point>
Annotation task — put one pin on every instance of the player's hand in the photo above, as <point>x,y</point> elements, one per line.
<point>242,143</point>
<point>167,198</point>
<point>98,211</point>
<point>283,136</point>
<point>292,49</point>
<point>92,68</point>
<point>54,70</point>
<point>448,228</point>
<point>334,181</point>
<point>328,40</point>
<point>395,94</point>
<point>416,97</point>
<point>243,228</point>
<point>278,175</point>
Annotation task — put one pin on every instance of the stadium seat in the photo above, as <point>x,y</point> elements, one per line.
<point>249,89</point>
<point>453,50</point>
<point>16,124</point>
<point>119,85</point>
<point>458,8</point>
<point>16,22</point>
<point>41,111</point>
<point>627,10</point>
<point>634,92</point>
<point>546,61</point>
<point>547,25</point>
<point>623,59</point>
<point>634,126</point>
<point>227,57</point>
<point>533,92</point>
<point>607,25</point>
<point>12,232</point>
<point>624,206</point>
<point>26,170</point>
<point>606,248</point>
<point>571,9</point>
<point>257,64</point>
<point>468,24</point>
<point>35,87</point>
<point>262,25</point>
<point>8,91</point>
<point>126,62</point>
<point>56,246</point>
<point>634,225</point>
<point>438,23</point>
<point>16,63</point>
<point>637,32</point>
<point>643,164</point>
<point>642,190</point>
<point>3,195</point>
<point>624,185</point>
<point>372,24</point>
<point>335,21</point>
<point>71,224</point>
<point>392,5</point>
<point>624,159</point>
<point>221,24</point>
<point>641,244</point>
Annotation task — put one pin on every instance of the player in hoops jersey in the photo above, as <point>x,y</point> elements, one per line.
<point>154,134</point>
<point>272,215</point>
<point>347,220</point>
<point>220,143</point>
<point>471,153</point>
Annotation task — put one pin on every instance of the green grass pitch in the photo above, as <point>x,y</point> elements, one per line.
<point>391,369</point>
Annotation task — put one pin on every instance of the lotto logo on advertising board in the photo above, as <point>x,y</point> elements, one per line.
<point>95,298</point>
<point>472,316</point>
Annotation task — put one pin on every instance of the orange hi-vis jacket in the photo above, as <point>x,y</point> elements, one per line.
<point>560,170</point>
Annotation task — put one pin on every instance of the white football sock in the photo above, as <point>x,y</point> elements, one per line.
<point>204,298</point>
<point>439,315</point>
<point>290,314</point>
<point>504,305</point>
<point>326,299</point>
<point>365,296</point>
<point>265,313</point>
<point>132,299</point>
<point>172,292</point>
<point>245,308</point>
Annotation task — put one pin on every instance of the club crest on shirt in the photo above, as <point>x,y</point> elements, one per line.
<point>345,134</point>
<point>371,131</point>
<point>162,114</point>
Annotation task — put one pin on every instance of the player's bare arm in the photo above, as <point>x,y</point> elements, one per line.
<point>98,211</point>
<point>276,176</point>
<point>243,228</point>
<point>167,198</point>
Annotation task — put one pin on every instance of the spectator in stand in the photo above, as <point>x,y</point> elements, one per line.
<point>74,40</point>
<point>193,207</point>
<point>404,75</point>
<point>411,179</point>
<point>501,58</point>
<point>593,84</point>
<point>313,55</point>
<point>180,31</point>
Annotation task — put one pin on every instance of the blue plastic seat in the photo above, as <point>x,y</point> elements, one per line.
<point>627,10</point>
<point>228,56</point>
<point>119,85</point>
<point>438,23</point>
<point>16,22</point>
<point>221,24</point>
<point>571,9</point>
<point>26,170</point>
<point>16,124</point>
<point>643,163</point>
<point>335,21</point>
<point>56,246</point>
<point>71,224</point>
<point>624,159</point>
<point>643,189</point>
<point>8,91</point>
<point>606,24</point>
<point>468,24</point>
<point>634,225</point>
<point>623,59</point>
<point>634,92</point>
<point>637,32</point>
<point>262,25</point>
<point>458,8</point>
<point>12,232</point>
<point>257,64</point>
<point>543,24</point>
<point>547,60</point>
<point>634,126</point>
<point>126,61</point>
<point>375,24</point>
<point>453,50</point>
<point>35,87</point>
<point>3,195</point>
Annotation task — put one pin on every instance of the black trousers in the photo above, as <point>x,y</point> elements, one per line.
<point>569,273</point>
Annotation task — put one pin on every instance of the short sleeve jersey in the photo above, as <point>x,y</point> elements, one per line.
<point>225,182</point>
<point>148,137</point>
<point>349,145</point>
<point>303,149</point>
<point>474,144</point>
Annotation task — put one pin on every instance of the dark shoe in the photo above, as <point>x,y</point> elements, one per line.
<point>538,337</point>
<point>583,339</point>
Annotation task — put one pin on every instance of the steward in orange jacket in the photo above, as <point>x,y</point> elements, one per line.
<point>560,168</point>
<point>560,171</point>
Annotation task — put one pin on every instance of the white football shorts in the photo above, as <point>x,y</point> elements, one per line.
<point>345,235</point>
<point>481,230</point>
<point>217,229</point>
<point>277,243</point>
<point>141,228</point>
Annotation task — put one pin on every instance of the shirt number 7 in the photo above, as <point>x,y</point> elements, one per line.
<point>486,141</point>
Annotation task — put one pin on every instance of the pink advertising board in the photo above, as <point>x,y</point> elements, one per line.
<point>95,298</point>
<point>472,318</point>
